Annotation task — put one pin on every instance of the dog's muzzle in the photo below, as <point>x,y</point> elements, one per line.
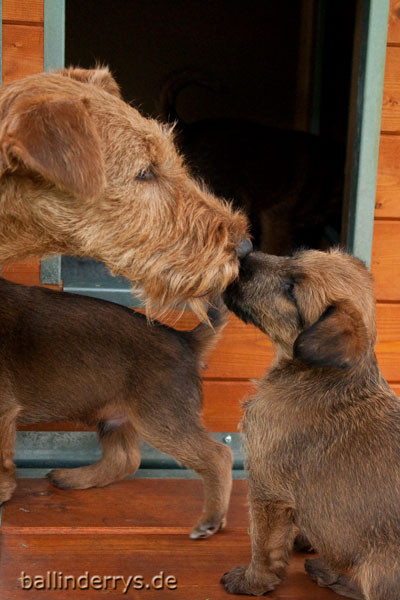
<point>244,248</point>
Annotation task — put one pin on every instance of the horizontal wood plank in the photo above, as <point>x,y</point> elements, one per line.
<point>386,260</point>
<point>23,11</point>
<point>176,505</point>
<point>243,352</point>
<point>22,51</point>
<point>391,93</point>
<point>223,403</point>
<point>394,22</point>
<point>26,272</point>
<point>387,203</point>
<point>388,347</point>
<point>396,388</point>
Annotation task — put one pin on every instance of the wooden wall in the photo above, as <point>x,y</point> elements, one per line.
<point>22,55</point>
<point>243,353</point>
<point>386,246</point>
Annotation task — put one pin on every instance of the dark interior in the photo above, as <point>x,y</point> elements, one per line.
<point>259,91</point>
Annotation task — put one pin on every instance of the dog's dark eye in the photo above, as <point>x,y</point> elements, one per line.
<point>288,288</point>
<point>145,174</point>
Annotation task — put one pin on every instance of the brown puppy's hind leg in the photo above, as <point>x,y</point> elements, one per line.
<point>325,577</point>
<point>214,465</point>
<point>121,457</point>
<point>7,441</point>
<point>211,460</point>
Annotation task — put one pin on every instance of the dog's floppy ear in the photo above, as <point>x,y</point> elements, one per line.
<point>56,137</point>
<point>337,339</point>
<point>100,76</point>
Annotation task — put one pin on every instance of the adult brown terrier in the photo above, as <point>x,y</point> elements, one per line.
<point>323,431</point>
<point>74,358</point>
<point>83,173</point>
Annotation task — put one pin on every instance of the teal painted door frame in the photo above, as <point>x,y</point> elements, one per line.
<point>54,34</point>
<point>54,58</point>
<point>364,125</point>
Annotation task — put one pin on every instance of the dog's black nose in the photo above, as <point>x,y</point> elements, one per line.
<point>244,248</point>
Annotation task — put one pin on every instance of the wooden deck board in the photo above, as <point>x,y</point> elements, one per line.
<point>170,505</point>
<point>196,566</point>
<point>136,528</point>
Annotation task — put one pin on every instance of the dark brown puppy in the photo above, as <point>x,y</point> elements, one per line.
<point>323,431</point>
<point>74,358</point>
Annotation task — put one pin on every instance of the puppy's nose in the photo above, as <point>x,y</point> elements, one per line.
<point>244,248</point>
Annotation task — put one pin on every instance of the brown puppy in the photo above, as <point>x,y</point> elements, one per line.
<point>74,358</point>
<point>83,173</point>
<point>323,431</point>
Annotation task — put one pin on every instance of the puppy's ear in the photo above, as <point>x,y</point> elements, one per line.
<point>337,339</point>
<point>57,138</point>
<point>100,76</point>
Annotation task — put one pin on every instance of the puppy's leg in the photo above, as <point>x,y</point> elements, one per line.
<point>213,462</point>
<point>7,441</point>
<point>379,575</point>
<point>384,590</point>
<point>210,459</point>
<point>272,533</point>
<point>341,584</point>
<point>121,457</point>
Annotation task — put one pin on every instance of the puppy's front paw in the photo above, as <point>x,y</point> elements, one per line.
<point>238,581</point>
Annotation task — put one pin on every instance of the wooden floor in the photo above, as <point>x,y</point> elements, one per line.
<point>137,527</point>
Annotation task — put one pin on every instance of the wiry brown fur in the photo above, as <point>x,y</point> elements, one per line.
<point>74,358</point>
<point>323,431</point>
<point>83,173</point>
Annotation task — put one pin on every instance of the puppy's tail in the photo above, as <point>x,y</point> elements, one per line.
<point>206,334</point>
